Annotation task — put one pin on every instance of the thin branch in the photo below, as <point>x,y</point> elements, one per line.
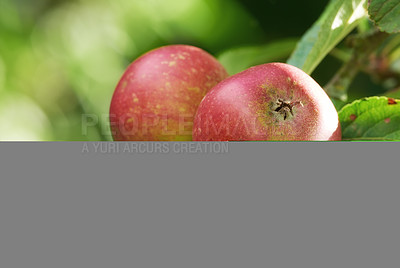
<point>363,46</point>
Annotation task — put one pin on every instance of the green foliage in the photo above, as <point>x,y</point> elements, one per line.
<point>238,59</point>
<point>385,14</point>
<point>61,60</point>
<point>371,119</point>
<point>338,20</point>
<point>29,122</point>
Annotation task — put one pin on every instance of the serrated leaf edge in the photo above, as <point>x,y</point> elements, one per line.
<point>357,102</point>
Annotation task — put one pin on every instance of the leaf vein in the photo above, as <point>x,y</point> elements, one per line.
<point>358,117</point>
<point>387,12</point>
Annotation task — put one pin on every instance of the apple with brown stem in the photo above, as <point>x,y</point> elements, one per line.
<point>273,101</point>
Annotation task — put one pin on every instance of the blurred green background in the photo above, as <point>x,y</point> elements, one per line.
<point>60,60</point>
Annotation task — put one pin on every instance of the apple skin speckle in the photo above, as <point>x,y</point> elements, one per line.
<point>160,90</point>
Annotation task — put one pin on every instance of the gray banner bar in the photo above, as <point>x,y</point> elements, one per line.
<point>278,205</point>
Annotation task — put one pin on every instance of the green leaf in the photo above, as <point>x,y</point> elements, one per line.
<point>373,118</point>
<point>338,20</point>
<point>385,14</point>
<point>238,59</point>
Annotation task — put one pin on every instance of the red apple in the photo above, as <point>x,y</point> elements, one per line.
<point>158,95</point>
<point>274,101</point>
